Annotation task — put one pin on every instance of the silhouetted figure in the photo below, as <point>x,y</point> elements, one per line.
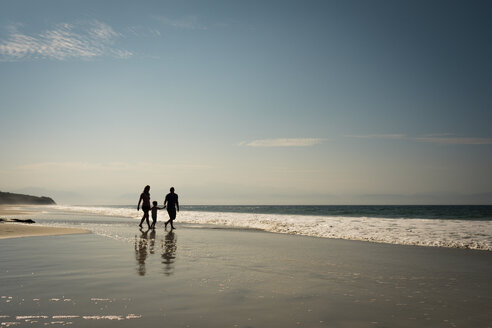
<point>141,252</point>
<point>169,252</point>
<point>171,203</point>
<point>154,213</point>
<point>145,200</point>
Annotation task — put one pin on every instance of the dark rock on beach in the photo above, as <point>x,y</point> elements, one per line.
<point>17,220</point>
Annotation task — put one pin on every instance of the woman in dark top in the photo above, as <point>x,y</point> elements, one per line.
<point>145,200</point>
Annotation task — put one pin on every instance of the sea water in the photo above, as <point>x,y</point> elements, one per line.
<point>442,226</point>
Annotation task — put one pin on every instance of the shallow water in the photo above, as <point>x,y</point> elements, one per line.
<point>468,227</point>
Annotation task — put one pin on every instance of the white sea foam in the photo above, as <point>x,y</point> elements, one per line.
<point>133,316</point>
<point>425,232</point>
<point>100,300</point>
<point>29,319</point>
<point>23,317</point>
<point>103,317</point>
<point>103,211</point>
<point>65,316</point>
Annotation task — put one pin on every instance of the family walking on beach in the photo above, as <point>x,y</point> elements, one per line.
<point>170,203</point>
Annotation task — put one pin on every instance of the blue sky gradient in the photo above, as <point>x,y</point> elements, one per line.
<point>247,102</point>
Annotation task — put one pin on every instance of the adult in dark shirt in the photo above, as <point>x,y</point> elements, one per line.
<point>145,200</point>
<point>171,204</point>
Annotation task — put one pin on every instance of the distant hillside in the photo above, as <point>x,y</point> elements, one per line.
<point>7,198</point>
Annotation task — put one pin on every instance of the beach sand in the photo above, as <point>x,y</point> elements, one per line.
<point>204,276</point>
<point>7,210</point>
<point>16,230</point>
<point>209,277</point>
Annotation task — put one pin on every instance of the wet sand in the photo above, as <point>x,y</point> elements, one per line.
<point>208,277</point>
<point>17,230</point>
<point>8,210</point>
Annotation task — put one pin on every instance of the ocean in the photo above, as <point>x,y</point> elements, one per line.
<point>467,227</point>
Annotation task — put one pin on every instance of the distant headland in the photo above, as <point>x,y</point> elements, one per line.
<point>7,198</point>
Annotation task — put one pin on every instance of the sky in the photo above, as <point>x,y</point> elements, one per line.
<point>247,102</point>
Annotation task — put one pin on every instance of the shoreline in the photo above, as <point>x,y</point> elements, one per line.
<point>20,230</point>
<point>207,277</point>
<point>415,232</point>
<point>9,229</point>
<point>14,209</point>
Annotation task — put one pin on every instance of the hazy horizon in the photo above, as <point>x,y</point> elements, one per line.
<point>277,102</point>
<point>79,199</point>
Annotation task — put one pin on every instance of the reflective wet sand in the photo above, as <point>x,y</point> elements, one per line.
<point>17,230</point>
<point>207,277</point>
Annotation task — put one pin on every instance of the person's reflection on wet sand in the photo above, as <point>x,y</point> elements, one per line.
<point>141,251</point>
<point>169,247</point>
<point>151,241</point>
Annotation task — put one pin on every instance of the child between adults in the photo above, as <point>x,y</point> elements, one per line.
<point>154,213</point>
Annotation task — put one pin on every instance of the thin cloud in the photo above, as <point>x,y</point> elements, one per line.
<point>76,166</point>
<point>455,140</point>
<point>111,166</point>
<point>432,135</point>
<point>64,41</point>
<point>142,31</point>
<point>436,138</point>
<point>377,136</point>
<point>283,142</point>
<point>102,31</point>
<point>183,23</point>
